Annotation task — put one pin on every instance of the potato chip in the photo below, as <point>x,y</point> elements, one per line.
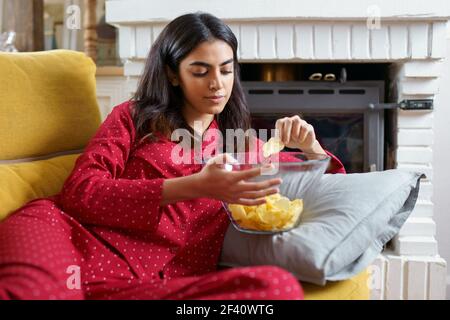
<point>278,213</point>
<point>238,212</point>
<point>274,145</point>
<point>282,204</point>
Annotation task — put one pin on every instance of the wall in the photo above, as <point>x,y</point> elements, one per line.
<point>1,16</point>
<point>441,196</point>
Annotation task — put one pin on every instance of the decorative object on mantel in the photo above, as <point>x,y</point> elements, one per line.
<point>343,76</point>
<point>7,41</point>
<point>277,72</point>
<point>315,76</point>
<point>329,77</point>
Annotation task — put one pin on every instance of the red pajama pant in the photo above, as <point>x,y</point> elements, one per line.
<point>38,252</point>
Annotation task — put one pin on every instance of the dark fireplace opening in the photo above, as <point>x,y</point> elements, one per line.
<point>344,103</point>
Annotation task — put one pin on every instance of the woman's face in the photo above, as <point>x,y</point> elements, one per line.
<point>206,77</point>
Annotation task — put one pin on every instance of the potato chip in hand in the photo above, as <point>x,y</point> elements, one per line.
<point>274,145</point>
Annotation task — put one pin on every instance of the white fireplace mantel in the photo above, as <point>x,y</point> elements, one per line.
<point>138,11</point>
<point>411,36</point>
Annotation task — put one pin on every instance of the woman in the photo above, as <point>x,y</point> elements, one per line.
<point>130,223</point>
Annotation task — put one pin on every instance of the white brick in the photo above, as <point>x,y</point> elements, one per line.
<point>249,44</point>
<point>360,42</point>
<point>377,276</point>
<point>428,68</point>
<point>284,41</point>
<point>412,272</point>
<point>415,137</point>
<point>421,155</point>
<point>425,169</point>
<point>423,208</point>
<point>379,43</point>
<point>266,41</point>
<point>427,86</point>
<point>143,41</point>
<point>398,35</point>
<point>133,67</point>
<point>322,42</point>
<point>341,42</point>
<point>421,227</point>
<point>394,279</point>
<point>127,42</point>
<point>414,119</point>
<point>418,39</point>
<point>304,46</point>
<point>437,284</point>
<point>438,44</point>
<point>132,84</point>
<point>156,30</point>
<point>425,191</point>
<point>235,27</point>
<point>411,245</point>
<point>416,280</point>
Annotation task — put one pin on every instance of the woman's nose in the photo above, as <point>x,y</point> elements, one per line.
<point>215,83</point>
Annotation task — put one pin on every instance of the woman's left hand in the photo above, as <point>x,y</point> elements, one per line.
<point>296,133</point>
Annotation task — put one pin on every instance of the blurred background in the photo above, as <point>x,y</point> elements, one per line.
<point>60,24</point>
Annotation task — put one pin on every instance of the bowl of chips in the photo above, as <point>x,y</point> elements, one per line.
<point>282,211</point>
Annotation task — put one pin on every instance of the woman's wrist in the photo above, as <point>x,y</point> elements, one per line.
<point>316,148</point>
<point>181,188</point>
<point>196,185</point>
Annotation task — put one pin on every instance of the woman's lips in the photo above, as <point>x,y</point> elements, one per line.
<point>215,99</point>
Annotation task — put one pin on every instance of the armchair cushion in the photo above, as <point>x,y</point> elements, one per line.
<point>23,182</point>
<point>48,103</point>
<point>347,219</point>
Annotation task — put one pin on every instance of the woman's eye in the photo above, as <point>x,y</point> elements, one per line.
<point>197,74</point>
<point>202,74</point>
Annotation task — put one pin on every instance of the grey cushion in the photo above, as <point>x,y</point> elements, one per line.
<point>347,219</point>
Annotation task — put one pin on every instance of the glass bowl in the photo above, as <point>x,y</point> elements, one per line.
<point>299,172</point>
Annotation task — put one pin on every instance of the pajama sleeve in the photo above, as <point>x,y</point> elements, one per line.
<point>336,165</point>
<point>95,194</point>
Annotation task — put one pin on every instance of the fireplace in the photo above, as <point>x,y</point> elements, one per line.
<point>348,117</point>
<point>393,56</point>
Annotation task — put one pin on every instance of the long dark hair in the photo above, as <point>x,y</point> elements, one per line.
<point>157,104</point>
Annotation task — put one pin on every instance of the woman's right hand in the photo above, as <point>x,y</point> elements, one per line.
<point>215,182</point>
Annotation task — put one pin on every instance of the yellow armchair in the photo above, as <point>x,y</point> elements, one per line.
<point>48,113</point>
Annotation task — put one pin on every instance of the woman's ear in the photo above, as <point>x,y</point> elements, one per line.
<point>172,77</point>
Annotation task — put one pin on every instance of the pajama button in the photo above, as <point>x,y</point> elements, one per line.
<point>161,274</point>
